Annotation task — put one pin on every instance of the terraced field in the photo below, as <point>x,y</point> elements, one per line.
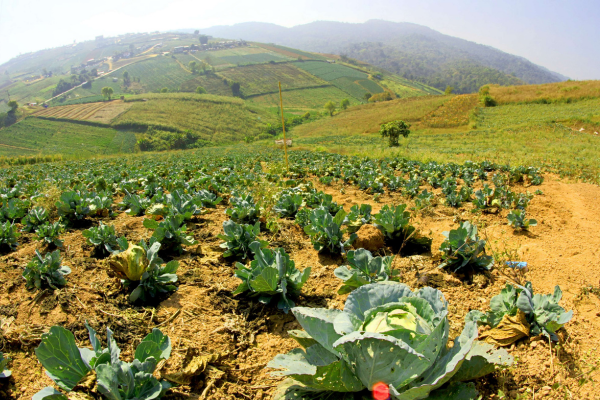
<point>304,99</point>
<point>158,73</point>
<point>103,112</point>
<point>212,83</point>
<point>61,137</point>
<point>262,79</point>
<point>351,81</point>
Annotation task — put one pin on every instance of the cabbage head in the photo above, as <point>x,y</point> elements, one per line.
<point>129,264</point>
<point>385,334</point>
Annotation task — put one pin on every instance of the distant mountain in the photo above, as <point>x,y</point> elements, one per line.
<point>413,51</point>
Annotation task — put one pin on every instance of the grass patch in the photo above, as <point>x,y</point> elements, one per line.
<point>304,99</point>
<point>561,92</point>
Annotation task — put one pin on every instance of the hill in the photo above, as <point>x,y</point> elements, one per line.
<point>413,51</point>
<point>178,62</point>
<point>556,126</point>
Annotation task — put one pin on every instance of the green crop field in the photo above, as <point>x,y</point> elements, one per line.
<point>28,92</point>
<point>157,73</point>
<point>351,81</point>
<point>215,118</point>
<point>263,78</point>
<point>513,115</point>
<point>292,53</point>
<point>212,83</point>
<point>304,99</point>
<point>60,137</point>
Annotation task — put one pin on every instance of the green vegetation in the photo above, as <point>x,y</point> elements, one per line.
<point>365,333</point>
<point>261,79</point>
<point>159,72</point>
<point>393,130</point>
<point>214,119</point>
<point>303,99</point>
<point>34,135</point>
<point>351,81</point>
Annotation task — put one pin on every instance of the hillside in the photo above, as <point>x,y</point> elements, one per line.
<point>556,126</point>
<point>413,51</point>
<point>178,62</point>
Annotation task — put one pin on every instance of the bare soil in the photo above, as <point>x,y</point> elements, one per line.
<point>203,318</point>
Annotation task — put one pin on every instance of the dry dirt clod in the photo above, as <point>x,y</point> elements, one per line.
<point>369,238</point>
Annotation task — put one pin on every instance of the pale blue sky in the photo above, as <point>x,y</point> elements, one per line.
<point>563,36</point>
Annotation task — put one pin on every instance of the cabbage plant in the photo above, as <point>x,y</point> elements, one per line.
<point>288,205</point>
<point>171,232</point>
<point>141,263</point>
<point>103,238</point>
<point>326,232</point>
<point>45,271</point>
<point>463,251</point>
<point>394,223</point>
<point>357,217</point>
<point>135,204</point>
<point>8,236</point>
<point>49,233</point>
<point>363,269</point>
<point>239,237</point>
<point>66,364</point>
<point>542,312</point>
<point>36,217</point>
<point>517,219</point>
<point>385,334</point>
<point>271,276</point>
<point>4,372</point>
<point>244,209</point>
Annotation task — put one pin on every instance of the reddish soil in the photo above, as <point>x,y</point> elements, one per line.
<point>203,318</point>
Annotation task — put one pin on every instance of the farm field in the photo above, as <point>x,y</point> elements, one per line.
<point>261,79</point>
<point>59,137</point>
<point>209,116</point>
<point>304,99</point>
<point>104,112</point>
<point>242,335</point>
<point>158,73</point>
<point>405,88</point>
<point>25,93</point>
<point>82,93</point>
<point>551,92</point>
<point>212,83</point>
<point>291,53</point>
<point>351,81</point>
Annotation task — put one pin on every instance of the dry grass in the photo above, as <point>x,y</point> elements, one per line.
<point>367,118</point>
<point>453,113</point>
<point>546,93</point>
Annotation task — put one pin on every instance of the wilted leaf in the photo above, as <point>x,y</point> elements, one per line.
<point>509,330</point>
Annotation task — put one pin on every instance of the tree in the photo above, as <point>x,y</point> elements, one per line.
<point>203,39</point>
<point>164,90</point>
<point>94,72</point>
<point>330,107</point>
<point>449,90</point>
<point>13,106</point>
<point>235,88</point>
<point>131,48</point>
<point>107,91</point>
<point>344,104</point>
<point>200,90</point>
<point>126,79</point>
<point>193,65</point>
<point>196,32</point>
<point>393,130</point>
<point>367,96</point>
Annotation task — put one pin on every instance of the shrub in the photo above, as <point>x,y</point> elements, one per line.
<point>393,130</point>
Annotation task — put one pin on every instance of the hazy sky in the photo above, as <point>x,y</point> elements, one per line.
<point>563,36</point>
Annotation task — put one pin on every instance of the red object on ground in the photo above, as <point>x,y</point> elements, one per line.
<point>381,391</point>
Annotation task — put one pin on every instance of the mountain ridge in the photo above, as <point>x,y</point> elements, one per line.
<point>399,41</point>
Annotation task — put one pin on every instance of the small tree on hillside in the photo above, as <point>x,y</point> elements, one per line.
<point>164,90</point>
<point>107,91</point>
<point>344,104</point>
<point>196,32</point>
<point>200,90</point>
<point>13,106</point>
<point>449,90</point>
<point>330,107</point>
<point>193,66</point>
<point>393,130</point>
<point>126,79</point>
<point>367,96</point>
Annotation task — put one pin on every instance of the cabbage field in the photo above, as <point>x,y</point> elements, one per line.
<point>222,273</point>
